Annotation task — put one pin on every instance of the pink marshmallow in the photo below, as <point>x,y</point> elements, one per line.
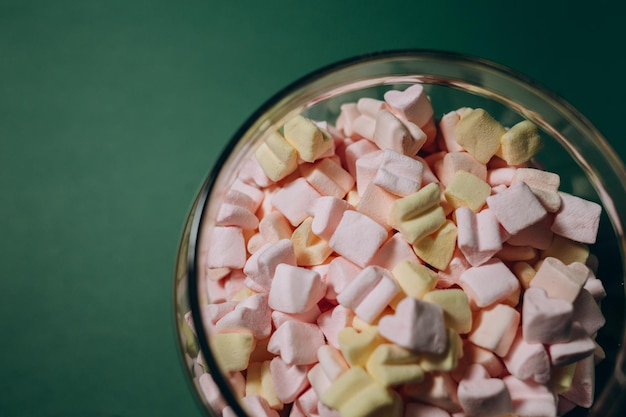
<point>399,174</point>
<point>231,250</point>
<point>501,176</point>
<point>489,283</point>
<point>427,176</point>
<point>560,280</point>
<point>530,398</point>
<point>355,151</point>
<point>416,325</point>
<point>452,274</point>
<point>332,321</point>
<point>274,227</point>
<point>394,251</point>
<point>234,215</point>
<point>364,126</point>
<point>347,113</point>
<point>255,405</point>
<point>538,235</point>
<point>328,177</point>
<point>369,293</point>
<point>332,362</point>
<point>423,410</point>
<point>484,397</point>
<point>296,342</point>
<point>447,126</point>
<point>587,313</point>
<point>318,379</point>
<point>261,266</point>
<point>411,104</point>
<point>326,212</point>
<point>369,106</point>
<point>251,191</point>
<point>366,169</point>
<point>578,347</point>
<point>583,384</point>
<point>293,200</point>
<point>457,161</point>
<point>545,320</point>
<point>478,235</point>
<point>289,380</point>
<point>340,273</point>
<point>252,313</point>
<point>309,316</point>
<point>577,219</point>
<point>376,203</point>
<point>295,289</point>
<point>252,173</point>
<point>516,208</point>
<point>528,360</point>
<point>403,137</point>
<point>357,237</point>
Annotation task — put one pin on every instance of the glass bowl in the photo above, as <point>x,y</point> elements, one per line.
<point>573,148</point>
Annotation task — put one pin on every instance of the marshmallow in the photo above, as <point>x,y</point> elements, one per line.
<point>355,151</point>
<point>484,397</point>
<point>295,289</point>
<point>528,360</point>
<point>538,235</point>
<point>460,161</point>
<point>369,293</point>
<point>356,347</point>
<point>520,143</point>
<point>455,305</point>
<point>254,405</point>
<point>405,137</point>
<point>478,234</point>
<point>318,379</point>
<point>416,325</point>
<point>366,169</point>
<point>437,248</point>
<point>356,394</point>
<point>412,104</point>
<point>294,199</point>
<point>309,248</point>
<point>340,273</point>
<point>252,314</point>
<point>260,266</point>
<point>495,328</point>
<point>447,126</point>
<point>414,279</point>
<point>467,190</point>
<point>289,381</point>
<point>566,250</point>
<point>578,347</point>
<point>331,362</point>
<point>274,227</point>
<point>501,176</point>
<point>473,354</point>
<point>582,388</point>
<point>516,208</point>
<point>356,227</point>
<point>310,141</point>
<point>231,250</point>
<point>296,342</point>
<point>446,361</point>
<point>479,134</point>
<point>530,398</point>
<point>347,113</point>
<point>545,320</point>
<point>577,219</point>
<point>332,321</point>
<point>587,312</point>
<point>392,252</point>
<point>560,280</point>
<point>328,177</point>
<point>259,382</point>
<point>437,389</point>
<point>391,365</point>
<point>376,203</point>
<point>276,157</point>
<point>326,212</point>
<point>232,350</point>
<point>489,283</point>
<point>545,186</point>
<point>399,174</point>
<point>419,214</point>
<point>424,410</point>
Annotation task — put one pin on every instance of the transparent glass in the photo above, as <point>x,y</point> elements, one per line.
<point>573,148</point>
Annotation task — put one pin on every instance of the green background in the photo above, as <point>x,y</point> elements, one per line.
<point>112,113</point>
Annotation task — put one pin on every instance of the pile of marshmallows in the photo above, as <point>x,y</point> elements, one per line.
<point>394,265</point>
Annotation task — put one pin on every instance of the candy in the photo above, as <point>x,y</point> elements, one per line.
<point>394,264</point>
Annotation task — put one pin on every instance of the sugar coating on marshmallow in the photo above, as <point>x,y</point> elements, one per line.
<point>399,264</point>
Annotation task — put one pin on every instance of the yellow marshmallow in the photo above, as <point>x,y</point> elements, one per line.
<point>467,190</point>
<point>520,143</point>
<point>356,347</point>
<point>356,394</point>
<point>309,248</point>
<point>479,134</point>
<point>419,214</point>
<point>446,361</point>
<point>232,350</point>
<point>566,250</point>
<point>390,365</point>
<point>524,273</point>
<point>259,382</point>
<point>310,141</point>
<point>456,309</point>
<point>561,377</point>
<point>414,279</point>
<point>438,248</point>
<point>277,157</point>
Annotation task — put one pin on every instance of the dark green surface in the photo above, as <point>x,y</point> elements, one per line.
<point>111,114</point>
